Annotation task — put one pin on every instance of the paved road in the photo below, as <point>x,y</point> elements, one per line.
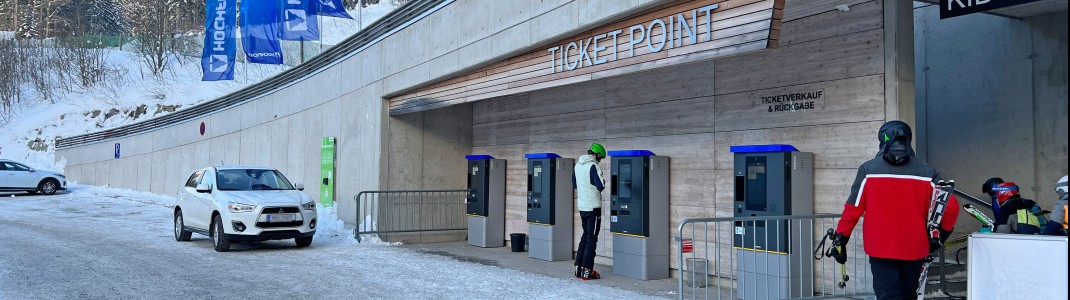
<point>93,243</point>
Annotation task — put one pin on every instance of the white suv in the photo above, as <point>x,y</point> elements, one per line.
<point>16,177</point>
<point>243,204</point>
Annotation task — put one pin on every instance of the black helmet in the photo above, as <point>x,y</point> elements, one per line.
<point>895,137</point>
<point>989,184</point>
<point>894,131</point>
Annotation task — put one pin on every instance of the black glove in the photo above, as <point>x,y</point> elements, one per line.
<point>935,245</point>
<point>839,248</point>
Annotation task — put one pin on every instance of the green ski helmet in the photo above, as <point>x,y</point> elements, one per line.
<point>598,150</point>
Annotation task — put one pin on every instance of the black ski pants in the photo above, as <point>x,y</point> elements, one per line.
<point>591,221</point>
<point>895,279</point>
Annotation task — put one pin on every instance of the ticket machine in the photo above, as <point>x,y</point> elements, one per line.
<point>639,214</point>
<point>773,258</point>
<point>550,206</point>
<point>486,201</point>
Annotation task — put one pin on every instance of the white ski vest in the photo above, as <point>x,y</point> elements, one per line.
<point>587,195</point>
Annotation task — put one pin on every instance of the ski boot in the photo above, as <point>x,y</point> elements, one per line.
<point>589,274</point>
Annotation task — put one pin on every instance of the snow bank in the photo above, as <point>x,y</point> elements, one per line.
<point>121,194</point>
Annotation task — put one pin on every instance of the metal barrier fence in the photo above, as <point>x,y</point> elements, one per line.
<point>410,211</point>
<point>766,258</point>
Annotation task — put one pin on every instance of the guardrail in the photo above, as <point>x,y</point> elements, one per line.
<point>410,211</point>
<point>975,200</point>
<point>392,22</point>
<point>766,258</point>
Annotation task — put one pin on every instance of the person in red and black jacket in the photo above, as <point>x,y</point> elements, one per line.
<point>893,191</point>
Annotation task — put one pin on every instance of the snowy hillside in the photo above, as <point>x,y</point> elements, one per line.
<point>29,129</point>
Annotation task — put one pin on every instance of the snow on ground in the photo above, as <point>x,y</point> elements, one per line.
<point>138,226</point>
<point>90,110</point>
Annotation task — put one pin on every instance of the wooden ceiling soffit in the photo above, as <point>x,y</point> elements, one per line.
<point>669,35</point>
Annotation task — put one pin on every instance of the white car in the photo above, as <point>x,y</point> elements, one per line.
<point>17,177</point>
<point>243,204</point>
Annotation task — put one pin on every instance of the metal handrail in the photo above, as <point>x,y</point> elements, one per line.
<point>416,223</point>
<point>805,225</point>
<point>973,199</point>
<point>381,28</point>
<point>744,219</point>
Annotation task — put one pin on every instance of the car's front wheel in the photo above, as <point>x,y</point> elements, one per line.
<point>219,239</point>
<point>181,234</point>
<point>48,186</point>
<point>303,241</point>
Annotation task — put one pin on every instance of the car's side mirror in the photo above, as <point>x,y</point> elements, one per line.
<point>203,188</point>
<point>299,186</point>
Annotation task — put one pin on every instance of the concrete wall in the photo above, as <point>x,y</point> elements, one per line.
<point>992,100</point>
<point>284,129</point>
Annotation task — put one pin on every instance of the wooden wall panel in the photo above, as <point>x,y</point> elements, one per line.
<point>682,82</point>
<point>581,97</point>
<point>661,118</point>
<point>501,109</point>
<point>798,9</point>
<point>860,17</point>
<point>835,146</point>
<point>846,100</point>
<point>838,57</point>
<point>502,133</point>
<point>584,125</point>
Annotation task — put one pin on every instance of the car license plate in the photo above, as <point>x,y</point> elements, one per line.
<point>280,218</point>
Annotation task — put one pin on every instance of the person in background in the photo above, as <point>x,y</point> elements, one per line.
<point>1015,213</point>
<point>894,191</point>
<point>1057,224</point>
<point>589,183</point>
<point>987,189</point>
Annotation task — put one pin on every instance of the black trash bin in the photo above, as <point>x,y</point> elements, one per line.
<point>519,240</point>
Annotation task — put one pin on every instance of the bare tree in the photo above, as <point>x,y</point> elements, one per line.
<point>10,18</point>
<point>154,35</point>
<point>10,79</point>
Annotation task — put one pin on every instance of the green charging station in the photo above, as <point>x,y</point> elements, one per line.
<point>327,171</point>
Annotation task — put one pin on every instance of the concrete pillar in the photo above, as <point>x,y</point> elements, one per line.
<point>899,61</point>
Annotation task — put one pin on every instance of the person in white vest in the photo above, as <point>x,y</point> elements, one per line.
<point>589,183</point>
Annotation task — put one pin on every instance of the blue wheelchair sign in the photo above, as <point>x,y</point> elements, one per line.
<point>116,150</point>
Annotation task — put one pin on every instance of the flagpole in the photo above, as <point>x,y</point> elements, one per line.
<point>319,26</point>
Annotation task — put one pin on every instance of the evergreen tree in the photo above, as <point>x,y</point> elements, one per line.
<point>28,26</point>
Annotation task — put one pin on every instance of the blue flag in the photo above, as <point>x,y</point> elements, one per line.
<point>217,57</point>
<point>330,8</point>
<point>298,24</point>
<point>260,31</point>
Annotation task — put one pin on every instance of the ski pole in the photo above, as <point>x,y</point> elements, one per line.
<point>843,270</point>
<point>830,235</point>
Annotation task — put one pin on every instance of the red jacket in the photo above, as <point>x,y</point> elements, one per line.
<point>895,202</point>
